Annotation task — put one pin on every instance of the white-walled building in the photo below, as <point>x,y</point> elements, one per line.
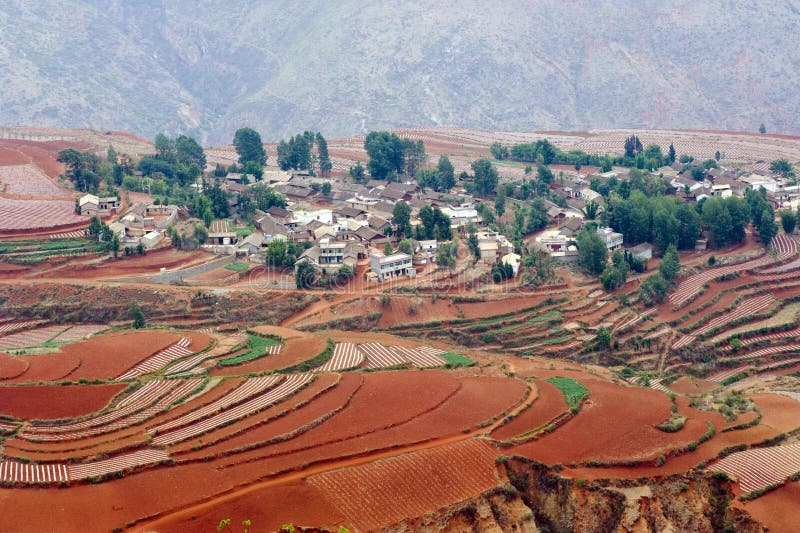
<point>390,266</point>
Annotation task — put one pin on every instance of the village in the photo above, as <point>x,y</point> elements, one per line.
<point>333,222</point>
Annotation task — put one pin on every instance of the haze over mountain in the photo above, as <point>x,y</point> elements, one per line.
<point>346,67</point>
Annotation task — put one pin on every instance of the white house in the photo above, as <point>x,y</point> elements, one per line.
<point>513,260</point>
<point>150,240</point>
<point>461,215</point>
<point>321,215</point>
<point>611,238</point>
<point>389,266</point>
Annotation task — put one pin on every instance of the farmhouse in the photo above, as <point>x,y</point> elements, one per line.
<point>642,251</point>
<point>91,205</point>
<point>252,244</point>
<point>611,238</point>
<point>220,233</point>
<point>151,239</point>
<point>390,266</point>
<point>461,215</point>
<point>328,255</point>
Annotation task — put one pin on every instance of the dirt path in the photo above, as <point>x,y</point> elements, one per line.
<point>153,523</point>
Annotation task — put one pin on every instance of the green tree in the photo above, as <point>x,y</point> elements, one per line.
<point>345,273</point>
<point>688,226</point>
<point>603,338</point>
<point>81,168</point>
<point>762,128</point>
<point>653,290</point>
<point>95,226</point>
<point>670,265</point>
<point>248,145</point>
<point>165,148</point>
<point>768,229</point>
<point>189,152</point>
<point>633,146</point>
<point>446,255</point>
<point>671,154</point>
<point>276,254</point>
<point>592,251</point>
<point>427,178</point>
<point>325,165</point>
<point>404,247</point>
<point>447,179</point>
<point>485,177</point>
<point>401,218</point>
<point>200,233</point>
<point>326,189</point>
<point>590,210</point>
<point>717,219</point>
<point>474,245</point>
<point>304,275</point>
<point>782,167</point>
<point>387,249</point>
<point>357,172</point>
<point>414,156</point>
<point>111,154</point>
<point>263,196</point>
<point>115,244</point>
<point>386,154</point>
<point>665,229</point>
<point>498,151</point>
<point>136,315</point>
<point>788,221</point>
<point>500,203</point>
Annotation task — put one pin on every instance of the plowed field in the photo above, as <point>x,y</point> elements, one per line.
<point>43,402</point>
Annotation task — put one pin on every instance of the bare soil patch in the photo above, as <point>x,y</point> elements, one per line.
<point>548,405</point>
<point>46,402</point>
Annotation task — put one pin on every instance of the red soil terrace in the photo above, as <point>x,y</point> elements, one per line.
<point>45,402</point>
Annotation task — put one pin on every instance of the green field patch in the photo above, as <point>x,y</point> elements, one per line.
<point>574,393</point>
<point>243,231</point>
<point>552,315</point>
<point>257,348</point>
<point>456,360</point>
<point>238,266</point>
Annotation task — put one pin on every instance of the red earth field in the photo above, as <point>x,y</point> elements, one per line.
<point>368,449</point>
<point>44,402</point>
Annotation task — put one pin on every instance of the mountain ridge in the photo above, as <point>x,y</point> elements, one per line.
<point>346,68</point>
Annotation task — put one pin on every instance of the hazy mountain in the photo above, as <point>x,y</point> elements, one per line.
<point>345,67</point>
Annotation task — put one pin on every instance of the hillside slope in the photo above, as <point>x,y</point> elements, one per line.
<point>344,67</point>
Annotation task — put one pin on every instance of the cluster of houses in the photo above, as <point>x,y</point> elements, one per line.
<point>144,224</point>
<point>352,223</point>
<point>559,239</point>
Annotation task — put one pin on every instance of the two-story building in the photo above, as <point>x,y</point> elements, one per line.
<point>391,266</point>
<point>611,238</point>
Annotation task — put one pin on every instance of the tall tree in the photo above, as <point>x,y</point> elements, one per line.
<point>788,221</point>
<point>485,177</point>
<point>717,219</point>
<point>592,251</point>
<point>670,265</point>
<point>165,148</point>
<point>447,179</point>
<point>671,154</point>
<point>414,156</point>
<point>324,161</point>
<point>249,147</point>
<point>386,155</point>
<point>401,218</point>
<point>768,229</point>
<point>633,146</point>
<point>81,168</point>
